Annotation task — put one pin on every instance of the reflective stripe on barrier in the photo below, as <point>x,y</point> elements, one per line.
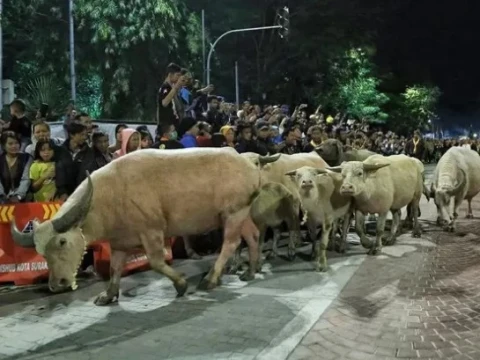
<point>24,266</point>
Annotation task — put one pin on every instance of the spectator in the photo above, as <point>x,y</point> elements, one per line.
<point>118,138</point>
<point>204,137</point>
<point>41,131</point>
<point>265,143</point>
<point>166,111</point>
<point>214,117</point>
<point>97,157</point>
<point>189,131</point>
<point>168,138</point>
<point>146,140</point>
<point>85,119</point>
<point>289,144</point>
<point>42,171</point>
<point>68,156</point>
<point>316,135</point>
<point>229,134</point>
<point>14,169</point>
<point>19,123</point>
<point>245,141</point>
<point>130,143</point>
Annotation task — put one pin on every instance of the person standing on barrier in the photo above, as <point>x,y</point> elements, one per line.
<point>42,171</point>
<point>14,170</point>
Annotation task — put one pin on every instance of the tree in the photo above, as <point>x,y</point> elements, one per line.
<point>131,44</point>
<point>420,103</point>
<point>352,86</point>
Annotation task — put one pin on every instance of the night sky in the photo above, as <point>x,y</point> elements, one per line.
<point>437,42</point>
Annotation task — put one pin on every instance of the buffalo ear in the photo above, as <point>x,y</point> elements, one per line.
<point>320,171</point>
<point>337,169</point>
<point>291,173</point>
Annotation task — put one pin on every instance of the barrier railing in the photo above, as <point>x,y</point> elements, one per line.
<point>24,266</point>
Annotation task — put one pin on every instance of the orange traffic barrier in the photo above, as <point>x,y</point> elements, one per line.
<point>24,266</point>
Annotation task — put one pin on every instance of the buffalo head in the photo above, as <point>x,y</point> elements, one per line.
<point>61,240</point>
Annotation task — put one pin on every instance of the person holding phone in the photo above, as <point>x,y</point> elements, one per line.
<point>166,110</point>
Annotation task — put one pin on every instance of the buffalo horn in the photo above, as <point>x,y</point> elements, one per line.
<point>21,239</point>
<point>268,159</point>
<point>77,212</point>
<point>373,167</point>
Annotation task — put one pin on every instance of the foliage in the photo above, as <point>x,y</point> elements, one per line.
<point>45,89</point>
<point>123,46</point>
<point>421,102</point>
<point>352,86</point>
<point>89,94</point>
<point>130,40</point>
<point>363,100</point>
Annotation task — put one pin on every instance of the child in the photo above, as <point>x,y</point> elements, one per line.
<point>130,142</point>
<point>42,171</point>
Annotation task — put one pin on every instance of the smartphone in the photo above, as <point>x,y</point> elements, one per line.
<point>43,110</point>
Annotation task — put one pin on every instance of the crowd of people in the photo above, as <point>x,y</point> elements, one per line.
<point>36,167</point>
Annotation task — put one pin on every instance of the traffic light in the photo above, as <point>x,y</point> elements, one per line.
<point>283,19</point>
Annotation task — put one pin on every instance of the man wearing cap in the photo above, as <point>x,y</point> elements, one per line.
<point>265,143</point>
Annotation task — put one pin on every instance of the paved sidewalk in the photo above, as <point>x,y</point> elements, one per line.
<point>418,299</point>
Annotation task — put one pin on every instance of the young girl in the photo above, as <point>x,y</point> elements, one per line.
<point>130,142</point>
<point>42,171</point>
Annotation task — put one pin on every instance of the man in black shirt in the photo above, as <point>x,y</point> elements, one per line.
<point>166,111</point>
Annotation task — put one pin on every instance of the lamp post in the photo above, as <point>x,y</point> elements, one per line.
<point>212,48</point>
<point>73,79</point>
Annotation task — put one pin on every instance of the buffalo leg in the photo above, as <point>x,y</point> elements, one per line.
<point>191,254</point>
<point>295,236</point>
<point>452,224</point>
<point>417,230</point>
<point>395,223</point>
<point>252,238</point>
<point>154,248</point>
<point>470,212</point>
<point>231,239</point>
<point>273,254</point>
<point>117,263</point>
<point>360,229</point>
<point>342,246</point>
<point>321,247</point>
<point>380,231</point>
<point>261,244</point>
<point>333,234</point>
<point>312,230</point>
<point>237,260</point>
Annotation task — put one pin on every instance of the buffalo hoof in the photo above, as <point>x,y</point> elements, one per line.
<point>321,268</point>
<point>271,255</point>
<point>292,254</point>
<point>389,241</point>
<point>194,256</point>
<point>373,251</point>
<point>105,299</point>
<point>469,216</point>
<point>234,268</point>
<point>247,276</point>
<point>181,287</point>
<point>449,228</point>
<point>417,233</point>
<point>455,215</point>
<point>206,285</point>
<point>439,221</point>
<point>341,248</point>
